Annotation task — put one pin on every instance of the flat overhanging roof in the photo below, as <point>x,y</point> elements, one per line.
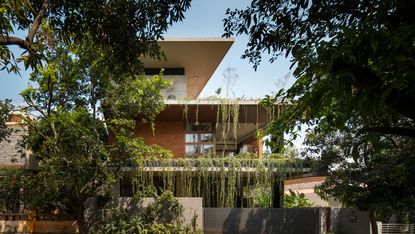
<point>211,102</point>
<point>249,111</point>
<point>198,56</point>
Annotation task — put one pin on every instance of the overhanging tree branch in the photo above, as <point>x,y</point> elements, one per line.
<point>7,40</point>
<point>36,23</point>
<point>28,42</point>
<point>408,132</point>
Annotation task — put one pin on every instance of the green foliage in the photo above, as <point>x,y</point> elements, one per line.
<point>137,96</point>
<point>217,180</point>
<point>159,217</point>
<point>165,209</point>
<point>372,179</point>
<point>354,88</point>
<point>294,200</point>
<point>5,111</point>
<point>263,197</point>
<point>10,184</point>
<point>351,59</point>
<point>87,75</point>
<point>124,29</point>
<point>115,221</point>
<point>79,99</point>
<point>33,190</point>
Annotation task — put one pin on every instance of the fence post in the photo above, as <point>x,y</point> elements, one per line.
<point>379,227</point>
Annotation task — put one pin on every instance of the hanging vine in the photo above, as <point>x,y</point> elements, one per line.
<point>221,182</point>
<point>235,120</point>
<point>186,110</point>
<point>197,115</point>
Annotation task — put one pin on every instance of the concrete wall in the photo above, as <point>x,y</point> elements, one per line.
<point>192,207</point>
<point>306,186</point>
<point>349,221</point>
<point>257,220</point>
<point>286,221</point>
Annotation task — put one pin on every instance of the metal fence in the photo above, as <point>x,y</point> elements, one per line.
<point>398,228</point>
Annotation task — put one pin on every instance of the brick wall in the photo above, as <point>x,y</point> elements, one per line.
<point>168,134</point>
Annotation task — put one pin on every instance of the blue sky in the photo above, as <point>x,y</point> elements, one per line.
<point>203,19</point>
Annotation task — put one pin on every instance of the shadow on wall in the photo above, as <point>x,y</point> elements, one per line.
<point>257,220</point>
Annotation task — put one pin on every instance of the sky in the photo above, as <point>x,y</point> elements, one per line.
<point>203,19</point>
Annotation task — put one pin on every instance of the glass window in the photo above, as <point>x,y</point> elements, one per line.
<point>199,139</point>
<point>206,137</point>
<point>206,149</point>
<point>191,149</point>
<point>190,138</point>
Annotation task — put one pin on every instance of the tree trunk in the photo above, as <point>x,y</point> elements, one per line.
<point>277,194</point>
<point>373,222</point>
<point>80,219</point>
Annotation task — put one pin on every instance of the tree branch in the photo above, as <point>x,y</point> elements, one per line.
<point>7,40</point>
<point>36,23</point>
<point>408,132</point>
<point>27,44</point>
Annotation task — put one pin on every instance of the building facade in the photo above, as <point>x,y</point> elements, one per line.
<point>191,127</point>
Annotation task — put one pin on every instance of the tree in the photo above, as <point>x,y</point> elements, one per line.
<point>230,76</point>
<point>352,64</point>
<point>85,61</point>
<point>348,56</point>
<point>380,181</point>
<point>5,110</point>
<point>126,29</point>
<point>78,102</point>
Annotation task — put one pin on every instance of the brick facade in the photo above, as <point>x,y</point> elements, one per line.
<point>168,134</point>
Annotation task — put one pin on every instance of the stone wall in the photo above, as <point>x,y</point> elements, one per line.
<point>9,154</point>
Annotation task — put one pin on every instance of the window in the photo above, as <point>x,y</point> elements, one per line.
<point>199,139</point>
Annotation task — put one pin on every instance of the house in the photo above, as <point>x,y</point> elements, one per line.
<point>189,126</point>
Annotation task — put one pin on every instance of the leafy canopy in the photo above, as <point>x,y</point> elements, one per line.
<point>78,104</point>
<point>126,28</point>
<point>354,88</point>
<point>351,58</point>
<point>89,89</point>
<point>370,178</point>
